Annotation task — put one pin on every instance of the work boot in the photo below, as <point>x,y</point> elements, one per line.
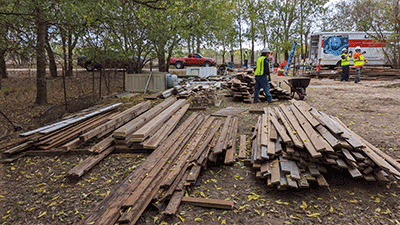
<point>273,100</point>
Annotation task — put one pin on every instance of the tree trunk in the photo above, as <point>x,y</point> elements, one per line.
<point>3,67</point>
<point>240,43</point>
<point>41,94</point>
<point>286,54</point>
<point>223,53</point>
<point>161,60</point>
<point>232,55</point>
<point>52,59</point>
<point>188,42</point>
<point>252,43</point>
<point>70,47</point>
<point>198,44</point>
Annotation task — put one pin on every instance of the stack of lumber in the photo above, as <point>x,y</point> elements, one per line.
<point>278,92</point>
<point>368,73</point>
<point>242,87</point>
<point>205,98</point>
<point>294,146</point>
<point>152,127</point>
<point>241,91</point>
<point>163,176</point>
<point>65,131</point>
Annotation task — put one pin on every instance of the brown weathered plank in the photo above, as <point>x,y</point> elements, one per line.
<point>117,122</point>
<point>138,122</point>
<point>153,125</point>
<point>292,133</point>
<point>275,172</point>
<point>166,129</point>
<point>231,151</point>
<point>300,105</point>
<point>88,163</point>
<point>303,136</point>
<point>332,140</point>
<point>174,203</point>
<point>194,173</point>
<point>102,145</point>
<point>242,147</point>
<point>325,121</point>
<point>308,129</point>
<point>282,132</point>
<point>223,136</point>
<point>321,181</point>
<point>264,129</point>
<point>208,203</point>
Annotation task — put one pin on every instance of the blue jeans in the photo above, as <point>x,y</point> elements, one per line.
<point>245,63</point>
<point>262,82</point>
<point>357,79</point>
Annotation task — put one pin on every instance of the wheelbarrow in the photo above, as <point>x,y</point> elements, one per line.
<point>298,85</point>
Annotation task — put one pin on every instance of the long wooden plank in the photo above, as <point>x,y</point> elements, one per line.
<point>321,118</point>
<point>258,150</point>
<point>231,151</point>
<point>194,173</point>
<point>275,172</point>
<point>350,137</point>
<point>208,203</point>
<point>19,148</point>
<point>222,137</point>
<point>115,123</point>
<point>72,144</point>
<point>303,136</point>
<point>300,105</point>
<point>289,129</point>
<point>308,129</point>
<point>242,147</point>
<point>102,145</point>
<point>174,203</point>
<point>88,163</point>
<point>138,122</point>
<point>159,120</point>
<point>282,132</point>
<point>166,129</point>
<point>332,140</point>
<point>264,130</point>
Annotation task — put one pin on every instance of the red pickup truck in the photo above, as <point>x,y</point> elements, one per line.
<point>192,59</point>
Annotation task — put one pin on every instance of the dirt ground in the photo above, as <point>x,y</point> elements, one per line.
<point>34,190</point>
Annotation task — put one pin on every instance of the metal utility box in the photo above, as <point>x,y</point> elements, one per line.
<point>137,82</point>
<point>201,71</point>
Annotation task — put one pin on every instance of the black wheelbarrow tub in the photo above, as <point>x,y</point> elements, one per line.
<point>298,85</point>
<point>299,82</point>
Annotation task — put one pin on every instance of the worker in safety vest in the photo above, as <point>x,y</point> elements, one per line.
<point>359,61</point>
<point>345,64</point>
<point>246,58</point>
<point>262,75</point>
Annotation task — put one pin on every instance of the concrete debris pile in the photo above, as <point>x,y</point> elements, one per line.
<point>294,146</point>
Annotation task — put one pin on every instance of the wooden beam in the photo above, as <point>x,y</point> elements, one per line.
<point>242,147</point>
<point>208,203</point>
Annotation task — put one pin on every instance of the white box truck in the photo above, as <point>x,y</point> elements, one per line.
<point>328,46</point>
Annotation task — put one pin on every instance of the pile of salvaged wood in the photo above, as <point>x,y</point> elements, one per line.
<point>368,73</point>
<point>242,87</point>
<point>207,97</point>
<point>166,173</point>
<point>69,132</point>
<point>294,145</point>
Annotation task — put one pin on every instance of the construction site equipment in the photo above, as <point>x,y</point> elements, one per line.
<point>298,85</point>
<point>289,61</point>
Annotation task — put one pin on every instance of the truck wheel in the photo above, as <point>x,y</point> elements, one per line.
<point>207,64</point>
<point>89,67</point>
<point>179,65</point>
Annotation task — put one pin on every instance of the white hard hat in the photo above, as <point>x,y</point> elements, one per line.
<point>358,48</point>
<point>265,50</point>
<point>344,49</point>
